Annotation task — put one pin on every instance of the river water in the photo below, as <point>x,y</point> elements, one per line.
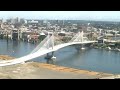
<point>90,59</point>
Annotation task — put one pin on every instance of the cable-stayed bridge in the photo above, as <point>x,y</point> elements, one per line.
<point>47,46</point>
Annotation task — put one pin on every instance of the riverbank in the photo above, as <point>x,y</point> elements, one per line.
<point>6,57</point>
<point>35,70</point>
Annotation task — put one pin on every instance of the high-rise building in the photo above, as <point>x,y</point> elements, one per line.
<point>14,20</point>
<point>22,21</point>
<point>48,25</point>
<point>45,21</point>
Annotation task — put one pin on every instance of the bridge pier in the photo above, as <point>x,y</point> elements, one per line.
<point>79,47</point>
<point>50,58</point>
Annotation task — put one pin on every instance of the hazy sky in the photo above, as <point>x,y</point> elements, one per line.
<point>79,15</point>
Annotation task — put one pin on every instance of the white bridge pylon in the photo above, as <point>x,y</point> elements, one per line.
<point>47,46</point>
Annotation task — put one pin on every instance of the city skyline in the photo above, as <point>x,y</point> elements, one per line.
<point>63,15</point>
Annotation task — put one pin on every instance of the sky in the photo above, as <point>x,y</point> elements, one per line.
<point>60,15</point>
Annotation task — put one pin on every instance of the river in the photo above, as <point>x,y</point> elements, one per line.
<point>90,59</point>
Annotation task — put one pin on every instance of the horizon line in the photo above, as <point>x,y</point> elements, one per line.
<point>62,19</point>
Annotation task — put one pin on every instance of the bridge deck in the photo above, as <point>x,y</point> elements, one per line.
<point>44,48</point>
<point>39,53</point>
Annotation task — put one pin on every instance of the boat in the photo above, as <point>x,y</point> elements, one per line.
<point>53,58</point>
<point>108,48</point>
<point>82,48</point>
<point>117,49</point>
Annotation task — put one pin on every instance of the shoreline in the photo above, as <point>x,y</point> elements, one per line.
<point>68,69</point>
<point>37,69</point>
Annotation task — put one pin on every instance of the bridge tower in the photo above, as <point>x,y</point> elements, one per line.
<point>82,48</point>
<point>50,58</point>
<point>79,39</point>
